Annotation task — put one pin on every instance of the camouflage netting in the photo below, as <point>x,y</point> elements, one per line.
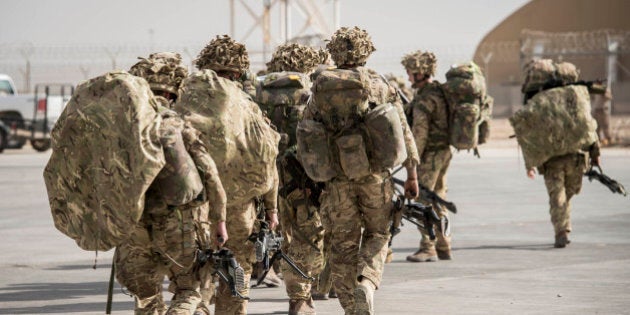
<point>164,71</point>
<point>350,46</point>
<point>242,144</point>
<point>423,63</point>
<point>553,123</point>
<point>540,72</point>
<point>223,54</point>
<point>294,57</point>
<point>106,153</point>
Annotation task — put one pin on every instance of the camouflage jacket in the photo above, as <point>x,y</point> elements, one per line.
<point>214,192</point>
<point>430,118</point>
<point>382,92</point>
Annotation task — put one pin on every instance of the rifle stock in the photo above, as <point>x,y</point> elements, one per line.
<point>613,185</point>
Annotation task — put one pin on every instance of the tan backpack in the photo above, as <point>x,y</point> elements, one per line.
<point>106,153</point>
<point>239,139</point>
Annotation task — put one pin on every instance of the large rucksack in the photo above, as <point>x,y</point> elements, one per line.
<point>353,137</point>
<point>283,96</point>
<point>470,108</point>
<point>106,153</point>
<point>554,122</point>
<point>242,144</point>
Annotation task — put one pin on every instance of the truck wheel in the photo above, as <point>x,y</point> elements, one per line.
<point>3,140</point>
<point>41,145</point>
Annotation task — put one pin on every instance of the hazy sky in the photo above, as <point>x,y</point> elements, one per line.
<point>452,27</point>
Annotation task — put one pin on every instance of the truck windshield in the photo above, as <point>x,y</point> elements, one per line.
<point>5,88</point>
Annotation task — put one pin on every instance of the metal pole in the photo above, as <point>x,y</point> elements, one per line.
<point>266,29</point>
<point>283,21</point>
<point>232,22</point>
<point>337,14</point>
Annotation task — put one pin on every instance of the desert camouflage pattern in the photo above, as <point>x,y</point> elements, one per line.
<point>423,63</point>
<point>430,119</point>
<point>223,54</point>
<point>563,179</point>
<point>341,96</point>
<point>295,57</point>
<point>178,182</point>
<point>106,153</point>
<point>539,72</point>
<point>401,84</point>
<point>303,241</point>
<point>241,223</point>
<point>350,46</point>
<point>554,122</point>
<point>164,71</point>
<point>469,104</point>
<point>242,144</point>
<point>163,244</point>
<point>432,174</point>
<point>283,97</point>
<point>364,203</point>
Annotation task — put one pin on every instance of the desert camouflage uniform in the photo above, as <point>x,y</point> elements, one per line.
<point>363,203</point>
<point>430,130</point>
<point>167,238</point>
<point>563,179</point>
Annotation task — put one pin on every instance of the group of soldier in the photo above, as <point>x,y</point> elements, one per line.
<point>343,231</point>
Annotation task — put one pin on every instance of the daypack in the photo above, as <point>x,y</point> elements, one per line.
<point>554,122</point>
<point>242,144</point>
<point>354,138</point>
<point>283,95</point>
<point>469,105</point>
<point>106,153</point>
<point>179,182</point>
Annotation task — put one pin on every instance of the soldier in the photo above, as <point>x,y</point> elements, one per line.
<point>229,59</point>
<point>430,130</point>
<point>359,223</point>
<point>166,240</point>
<point>601,113</point>
<point>562,173</point>
<point>298,202</point>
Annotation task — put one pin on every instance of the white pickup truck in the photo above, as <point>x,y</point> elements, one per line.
<point>30,117</point>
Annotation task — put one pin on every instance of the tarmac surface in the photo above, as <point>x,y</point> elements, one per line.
<point>504,260</point>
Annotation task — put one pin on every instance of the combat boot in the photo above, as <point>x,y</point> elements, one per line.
<point>332,294</point>
<point>423,255</point>
<point>364,298</point>
<point>444,254</point>
<point>271,280</point>
<point>318,296</point>
<point>562,240</point>
<point>301,307</point>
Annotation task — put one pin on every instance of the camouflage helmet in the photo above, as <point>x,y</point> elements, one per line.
<point>223,54</point>
<point>294,57</point>
<point>567,72</point>
<point>164,71</point>
<point>423,63</point>
<point>350,46</point>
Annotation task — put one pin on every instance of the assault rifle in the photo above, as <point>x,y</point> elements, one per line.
<point>428,194</point>
<point>266,241</point>
<point>226,267</point>
<point>419,215</point>
<point>594,87</point>
<point>612,184</point>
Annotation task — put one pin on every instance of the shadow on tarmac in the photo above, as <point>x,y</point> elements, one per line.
<point>58,291</point>
<point>537,247</point>
<point>80,267</point>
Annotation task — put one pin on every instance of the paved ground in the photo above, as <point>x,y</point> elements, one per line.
<point>504,261</point>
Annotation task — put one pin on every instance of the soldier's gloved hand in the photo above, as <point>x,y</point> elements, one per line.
<point>221,234</point>
<point>531,173</point>
<point>273,220</point>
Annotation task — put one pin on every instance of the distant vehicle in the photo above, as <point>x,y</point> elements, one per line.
<point>30,117</point>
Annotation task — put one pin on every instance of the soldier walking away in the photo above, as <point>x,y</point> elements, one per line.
<point>430,128</point>
<point>174,224</point>
<point>283,95</point>
<point>556,103</point>
<point>360,115</point>
<point>229,59</point>
<point>601,113</point>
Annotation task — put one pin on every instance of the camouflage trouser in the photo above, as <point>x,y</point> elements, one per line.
<point>563,178</point>
<point>240,225</point>
<point>303,242</point>
<point>603,123</point>
<point>432,174</point>
<point>355,204</point>
<point>159,246</point>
